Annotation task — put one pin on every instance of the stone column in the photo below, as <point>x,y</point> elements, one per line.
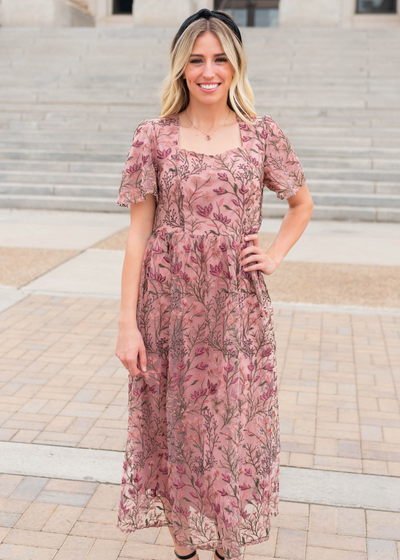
<point>332,13</point>
<point>311,13</point>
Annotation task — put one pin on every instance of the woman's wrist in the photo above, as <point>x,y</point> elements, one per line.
<point>276,258</point>
<point>127,321</point>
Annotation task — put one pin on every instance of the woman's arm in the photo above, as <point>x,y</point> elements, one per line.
<point>130,344</point>
<point>294,223</point>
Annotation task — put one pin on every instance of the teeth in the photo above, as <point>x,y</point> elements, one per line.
<point>213,86</point>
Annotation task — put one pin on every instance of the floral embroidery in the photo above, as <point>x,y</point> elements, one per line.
<point>203,443</point>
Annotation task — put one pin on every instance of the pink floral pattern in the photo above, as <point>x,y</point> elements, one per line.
<point>203,443</point>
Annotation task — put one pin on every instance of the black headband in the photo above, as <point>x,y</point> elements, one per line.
<point>207,14</point>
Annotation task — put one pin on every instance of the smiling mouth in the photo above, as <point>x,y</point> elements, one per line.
<point>209,87</point>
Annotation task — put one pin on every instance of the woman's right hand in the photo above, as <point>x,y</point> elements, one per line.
<point>131,350</point>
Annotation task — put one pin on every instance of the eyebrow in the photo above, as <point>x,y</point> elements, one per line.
<point>202,55</point>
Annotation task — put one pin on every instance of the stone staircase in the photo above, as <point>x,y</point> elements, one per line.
<point>72,97</point>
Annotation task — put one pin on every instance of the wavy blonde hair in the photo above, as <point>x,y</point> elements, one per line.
<point>175,93</point>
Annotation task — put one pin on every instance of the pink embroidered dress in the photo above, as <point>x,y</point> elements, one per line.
<point>203,441</point>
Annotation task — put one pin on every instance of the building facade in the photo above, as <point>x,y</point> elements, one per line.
<point>359,14</point>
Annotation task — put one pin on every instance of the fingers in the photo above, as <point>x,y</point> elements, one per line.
<point>131,361</point>
<point>255,259</point>
<point>251,250</point>
<point>131,352</point>
<point>137,361</point>
<point>134,371</point>
<point>254,247</point>
<point>253,237</point>
<point>253,266</point>
<point>142,359</point>
<point>254,253</point>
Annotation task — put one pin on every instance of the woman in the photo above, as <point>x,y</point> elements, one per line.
<point>196,328</point>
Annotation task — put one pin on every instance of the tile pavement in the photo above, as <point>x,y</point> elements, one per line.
<point>95,268</point>
<point>50,519</point>
<point>61,384</point>
<point>339,382</point>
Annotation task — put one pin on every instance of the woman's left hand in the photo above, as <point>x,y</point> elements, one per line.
<point>264,262</point>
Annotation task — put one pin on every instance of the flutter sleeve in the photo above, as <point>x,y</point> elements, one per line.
<point>283,172</point>
<point>139,175</point>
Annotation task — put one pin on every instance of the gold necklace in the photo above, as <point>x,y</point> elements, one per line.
<point>208,136</point>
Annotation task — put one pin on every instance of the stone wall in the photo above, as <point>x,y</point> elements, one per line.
<point>45,13</point>
<point>331,13</point>
<point>167,13</point>
<point>171,13</point>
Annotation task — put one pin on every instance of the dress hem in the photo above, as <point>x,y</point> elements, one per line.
<point>200,546</point>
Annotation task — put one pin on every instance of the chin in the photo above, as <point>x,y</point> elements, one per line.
<point>208,99</point>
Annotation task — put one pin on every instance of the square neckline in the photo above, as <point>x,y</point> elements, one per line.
<point>242,147</point>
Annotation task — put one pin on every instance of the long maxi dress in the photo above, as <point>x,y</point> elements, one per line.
<point>203,443</point>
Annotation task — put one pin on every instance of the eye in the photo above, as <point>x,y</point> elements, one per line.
<point>222,59</point>
<point>195,60</point>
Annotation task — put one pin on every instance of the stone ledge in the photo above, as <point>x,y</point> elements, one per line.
<point>312,486</point>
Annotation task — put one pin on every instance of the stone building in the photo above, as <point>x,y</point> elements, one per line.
<point>356,14</point>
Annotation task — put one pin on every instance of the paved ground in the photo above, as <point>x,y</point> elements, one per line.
<point>67,520</point>
<point>337,317</point>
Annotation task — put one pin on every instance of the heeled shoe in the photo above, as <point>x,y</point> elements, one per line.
<point>187,556</point>
<point>218,555</point>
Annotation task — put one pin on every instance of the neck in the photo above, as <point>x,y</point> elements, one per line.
<point>208,116</point>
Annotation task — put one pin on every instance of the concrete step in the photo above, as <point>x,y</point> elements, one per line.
<point>107,75</point>
<point>52,177</point>
<point>121,141</point>
<point>326,137</point>
<point>100,204</point>
<point>356,190</point>
<point>47,151</point>
<point>65,124</point>
<point>59,190</point>
<point>45,166</point>
<point>349,213</point>
<point>353,175</point>
<point>361,201</point>
<point>28,156</point>
<point>371,170</point>
<point>313,124</point>
<point>46,202</point>
<point>43,161</point>
<point>338,115</point>
<point>352,116</point>
<point>62,150</point>
<point>89,173</point>
<point>31,190</point>
<point>63,138</point>
<point>72,98</point>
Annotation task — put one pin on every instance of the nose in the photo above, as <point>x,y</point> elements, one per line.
<point>208,70</point>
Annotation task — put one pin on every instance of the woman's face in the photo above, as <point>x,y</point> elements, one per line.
<point>208,73</point>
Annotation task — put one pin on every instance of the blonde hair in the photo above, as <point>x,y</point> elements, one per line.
<point>175,93</point>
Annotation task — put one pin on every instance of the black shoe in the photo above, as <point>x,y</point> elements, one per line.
<point>218,555</point>
<point>185,557</point>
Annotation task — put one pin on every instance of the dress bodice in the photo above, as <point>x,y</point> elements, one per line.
<point>198,193</point>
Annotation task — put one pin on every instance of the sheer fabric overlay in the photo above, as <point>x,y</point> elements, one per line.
<point>203,442</point>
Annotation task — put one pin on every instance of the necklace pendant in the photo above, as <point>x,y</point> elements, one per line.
<point>208,137</point>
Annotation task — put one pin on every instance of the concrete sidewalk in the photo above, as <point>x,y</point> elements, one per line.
<point>81,253</point>
<point>337,318</point>
<point>68,520</point>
